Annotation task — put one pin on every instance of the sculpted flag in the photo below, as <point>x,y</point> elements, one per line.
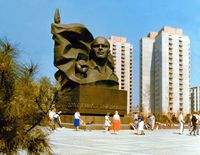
<point>71,40</point>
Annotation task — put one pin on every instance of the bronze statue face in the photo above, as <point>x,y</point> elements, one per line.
<point>100,47</point>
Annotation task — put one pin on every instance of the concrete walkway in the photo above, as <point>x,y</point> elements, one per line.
<point>159,142</point>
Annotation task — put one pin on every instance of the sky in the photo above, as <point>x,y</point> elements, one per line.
<point>28,25</point>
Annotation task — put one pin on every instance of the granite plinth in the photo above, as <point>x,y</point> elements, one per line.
<point>93,101</point>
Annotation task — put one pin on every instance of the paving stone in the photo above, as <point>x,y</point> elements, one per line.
<point>158,142</point>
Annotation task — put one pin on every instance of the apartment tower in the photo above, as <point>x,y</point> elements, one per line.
<point>195,99</point>
<point>122,52</point>
<point>165,72</point>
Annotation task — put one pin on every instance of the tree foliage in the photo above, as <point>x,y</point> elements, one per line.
<point>24,105</point>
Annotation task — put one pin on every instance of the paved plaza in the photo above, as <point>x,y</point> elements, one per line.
<point>159,142</point>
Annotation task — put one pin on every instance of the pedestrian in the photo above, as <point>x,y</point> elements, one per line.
<point>181,123</point>
<point>136,120</point>
<point>55,118</point>
<point>77,120</point>
<point>140,130</point>
<point>116,122</point>
<point>198,123</point>
<point>51,122</point>
<point>152,121</point>
<point>194,125</point>
<point>190,122</point>
<point>107,123</point>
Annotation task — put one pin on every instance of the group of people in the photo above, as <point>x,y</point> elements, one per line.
<point>194,123</point>
<point>138,123</point>
<point>116,123</point>
<point>107,124</point>
<point>54,118</point>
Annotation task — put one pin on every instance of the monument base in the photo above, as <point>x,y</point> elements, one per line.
<point>95,101</point>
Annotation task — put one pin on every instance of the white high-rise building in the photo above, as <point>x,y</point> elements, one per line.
<point>195,99</point>
<point>165,72</point>
<point>122,52</point>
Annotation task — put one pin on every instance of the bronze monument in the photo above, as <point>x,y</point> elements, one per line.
<point>85,65</point>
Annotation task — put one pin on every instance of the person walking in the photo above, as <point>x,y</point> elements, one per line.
<point>77,120</point>
<point>136,120</point>
<point>152,121</point>
<point>140,130</point>
<point>190,122</point>
<point>194,125</point>
<point>116,122</point>
<point>107,123</point>
<point>198,123</point>
<point>55,118</point>
<point>181,123</point>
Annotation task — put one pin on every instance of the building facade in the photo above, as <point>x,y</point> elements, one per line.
<point>165,72</point>
<point>122,52</point>
<point>195,99</point>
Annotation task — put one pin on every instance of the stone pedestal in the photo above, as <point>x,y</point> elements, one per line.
<point>90,100</point>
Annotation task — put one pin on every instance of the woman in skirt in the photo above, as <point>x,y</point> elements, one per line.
<point>77,120</point>
<point>116,122</point>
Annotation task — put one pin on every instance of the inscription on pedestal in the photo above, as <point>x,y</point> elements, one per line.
<point>94,100</point>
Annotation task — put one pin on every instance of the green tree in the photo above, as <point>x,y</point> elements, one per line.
<point>24,105</point>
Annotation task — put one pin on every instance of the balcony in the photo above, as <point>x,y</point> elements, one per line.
<point>181,98</point>
<point>171,72</point>
<point>170,96</point>
<point>170,61</point>
<point>170,81</point>
<point>170,51</point>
